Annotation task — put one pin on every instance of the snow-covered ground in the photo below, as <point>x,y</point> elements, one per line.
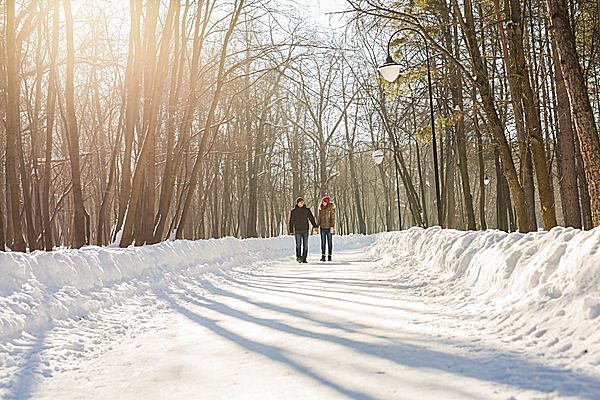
<point>418,314</point>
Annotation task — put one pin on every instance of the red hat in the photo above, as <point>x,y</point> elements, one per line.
<point>326,199</point>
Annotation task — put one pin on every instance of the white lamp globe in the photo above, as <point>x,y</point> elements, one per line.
<point>377,156</point>
<point>390,71</point>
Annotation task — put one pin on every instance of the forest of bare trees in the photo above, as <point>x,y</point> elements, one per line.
<point>133,122</point>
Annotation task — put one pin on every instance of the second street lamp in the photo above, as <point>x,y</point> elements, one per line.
<point>377,157</point>
<point>390,71</point>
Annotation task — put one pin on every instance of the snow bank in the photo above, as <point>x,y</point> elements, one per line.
<point>543,287</point>
<point>510,268</point>
<point>39,287</point>
<point>539,289</point>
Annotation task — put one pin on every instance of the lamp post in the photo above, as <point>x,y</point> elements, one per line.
<point>377,157</point>
<point>486,182</point>
<point>390,71</point>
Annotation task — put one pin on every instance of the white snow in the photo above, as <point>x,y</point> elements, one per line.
<point>402,315</point>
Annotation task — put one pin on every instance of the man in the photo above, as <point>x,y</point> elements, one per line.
<point>298,225</point>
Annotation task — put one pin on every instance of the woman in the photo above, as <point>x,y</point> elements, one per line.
<point>326,221</point>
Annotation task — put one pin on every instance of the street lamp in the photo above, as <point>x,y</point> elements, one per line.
<point>377,157</point>
<point>486,182</point>
<point>390,71</point>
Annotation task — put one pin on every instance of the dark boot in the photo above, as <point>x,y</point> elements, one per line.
<point>299,259</point>
<point>328,257</point>
<point>304,261</point>
<point>322,257</point>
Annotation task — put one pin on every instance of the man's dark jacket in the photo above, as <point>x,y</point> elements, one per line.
<point>299,218</point>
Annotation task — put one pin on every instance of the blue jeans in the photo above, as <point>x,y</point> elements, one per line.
<point>301,244</point>
<point>326,237</point>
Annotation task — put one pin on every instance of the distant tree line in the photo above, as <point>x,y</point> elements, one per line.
<point>198,119</point>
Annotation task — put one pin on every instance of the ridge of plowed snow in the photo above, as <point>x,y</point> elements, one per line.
<point>541,289</point>
<point>531,301</point>
<point>39,287</point>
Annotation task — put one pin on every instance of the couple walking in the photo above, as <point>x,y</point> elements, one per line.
<point>299,219</point>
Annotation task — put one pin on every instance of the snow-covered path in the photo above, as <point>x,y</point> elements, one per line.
<point>279,330</point>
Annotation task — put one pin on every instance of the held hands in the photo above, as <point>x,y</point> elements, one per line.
<point>316,230</point>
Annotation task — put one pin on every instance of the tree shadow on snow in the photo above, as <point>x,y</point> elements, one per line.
<point>279,286</point>
<point>273,352</point>
<point>491,365</point>
<point>22,385</point>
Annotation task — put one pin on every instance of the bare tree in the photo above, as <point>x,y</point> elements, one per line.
<point>581,109</point>
<point>80,216</point>
<point>13,129</point>
<point>208,126</point>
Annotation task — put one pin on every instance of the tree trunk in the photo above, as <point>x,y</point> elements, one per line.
<point>2,237</point>
<point>79,212</point>
<point>295,152</point>
<point>27,201</point>
<point>461,145</point>
<point>132,83</point>
<point>100,232</point>
<point>586,209</point>
<point>154,81</point>
<point>167,188</point>
<point>581,109</point>
<point>448,192</point>
<point>501,201</point>
<point>514,78</point>
<point>423,203</point>
<point>532,120</point>
<point>482,175</point>
<point>413,198</point>
<point>387,195</point>
<point>525,109</point>
<point>252,206</point>
<point>168,178</point>
<point>139,222</point>
<point>494,124</point>
<point>13,129</point>
<point>50,109</point>
<point>362,226</point>
<point>36,138</point>
<point>411,194</point>
<point>451,38</point>
<point>567,170</point>
<point>253,144</point>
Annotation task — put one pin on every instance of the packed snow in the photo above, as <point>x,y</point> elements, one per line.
<point>422,313</point>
